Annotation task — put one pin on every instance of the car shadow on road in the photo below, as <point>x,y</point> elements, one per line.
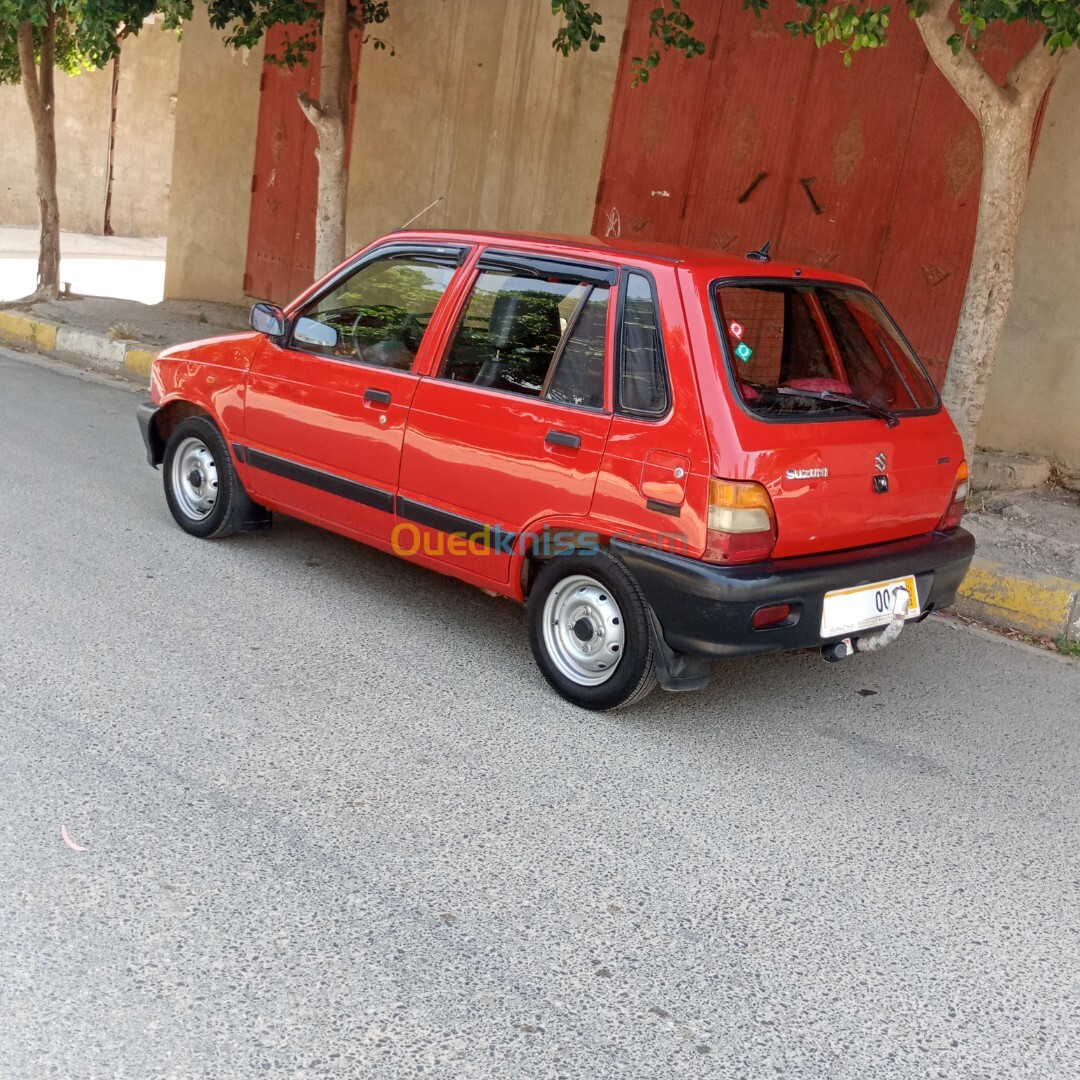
<point>489,636</point>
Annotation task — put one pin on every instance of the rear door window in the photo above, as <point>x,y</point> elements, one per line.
<point>792,347</point>
<point>542,338</point>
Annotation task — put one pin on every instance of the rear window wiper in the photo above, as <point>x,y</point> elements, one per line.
<point>840,399</point>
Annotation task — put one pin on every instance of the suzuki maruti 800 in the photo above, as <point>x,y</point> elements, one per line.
<point>669,455</point>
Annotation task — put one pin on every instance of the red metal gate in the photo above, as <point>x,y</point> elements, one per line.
<point>284,187</point>
<point>872,171</point>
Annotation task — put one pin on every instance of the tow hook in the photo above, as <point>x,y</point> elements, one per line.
<point>841,650</point>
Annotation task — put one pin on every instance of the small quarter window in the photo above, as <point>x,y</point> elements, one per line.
<point>643,384</point>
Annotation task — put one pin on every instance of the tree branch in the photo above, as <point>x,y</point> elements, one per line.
<point>1033,72</point>
<point>48,58</point>
<point>28,68</point>
<point>965,74</point>
<point>336,74</point>
<point>310,107</point>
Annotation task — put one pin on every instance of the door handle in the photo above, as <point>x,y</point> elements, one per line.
<point>562,438</point>
<point>380,396</point>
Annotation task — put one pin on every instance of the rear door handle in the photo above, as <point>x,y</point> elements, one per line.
<point>380,396</point>
<point>562,438</point>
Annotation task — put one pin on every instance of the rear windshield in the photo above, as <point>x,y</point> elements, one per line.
<point>793,346</point>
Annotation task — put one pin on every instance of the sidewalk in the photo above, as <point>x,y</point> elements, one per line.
<point>1026,575</point>
<point>117,337</point>
<point>132,268</point>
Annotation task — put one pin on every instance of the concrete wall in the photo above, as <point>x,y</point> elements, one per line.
<point>142,165</point>
<point>477,106</point>
<point>1034,401</point>
<point>217,119</point>
<point>82,150</point>
<point>145,113</point>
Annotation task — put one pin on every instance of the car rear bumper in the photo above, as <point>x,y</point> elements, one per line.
<point>706,610</point>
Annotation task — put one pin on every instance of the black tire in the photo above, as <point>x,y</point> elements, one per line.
<point>564,581</point>
<point>220,487</point>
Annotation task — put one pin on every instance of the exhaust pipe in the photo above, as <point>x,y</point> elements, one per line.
<point>841,650</point>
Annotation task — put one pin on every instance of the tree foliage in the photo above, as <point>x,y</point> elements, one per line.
<point>669,28</point>
<point>87,33</point>
<point>865,26</point>
<point>245,22</point>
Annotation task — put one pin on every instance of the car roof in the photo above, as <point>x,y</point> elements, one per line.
<point>712,263</point>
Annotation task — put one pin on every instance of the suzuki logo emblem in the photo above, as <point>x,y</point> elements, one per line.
<point>881,461</point>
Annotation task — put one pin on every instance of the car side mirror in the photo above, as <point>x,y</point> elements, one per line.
<point>312,332</point>
<point>268,319</point>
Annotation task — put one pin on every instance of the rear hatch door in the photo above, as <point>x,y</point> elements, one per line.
<point>841,475</point>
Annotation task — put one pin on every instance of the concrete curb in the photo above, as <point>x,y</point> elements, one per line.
<point>129,359</point>
<point>1045,606</point>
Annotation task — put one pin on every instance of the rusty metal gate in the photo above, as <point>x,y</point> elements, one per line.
<point>284,187</point>
<point>872,171</point>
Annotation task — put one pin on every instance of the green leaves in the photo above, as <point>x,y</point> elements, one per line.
<point>852,28</point>
<point>669,28</point>
<point>579,27</point>
<point>88,33</point>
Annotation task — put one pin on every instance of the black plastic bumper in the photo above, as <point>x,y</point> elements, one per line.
<point>155,451</point>
<point>705,610</point>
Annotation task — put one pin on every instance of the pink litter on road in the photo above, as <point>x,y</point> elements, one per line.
<point>67,840</point>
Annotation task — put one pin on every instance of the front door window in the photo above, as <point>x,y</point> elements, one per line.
<point>378,315</point>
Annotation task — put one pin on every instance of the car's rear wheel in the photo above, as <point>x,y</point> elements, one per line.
<point>590,631</point>
<point>201,486</point>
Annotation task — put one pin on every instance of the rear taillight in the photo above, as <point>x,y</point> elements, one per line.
<point>742,525</point>
<point>957,500</point>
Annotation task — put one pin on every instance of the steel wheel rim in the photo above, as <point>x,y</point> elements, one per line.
<point>194,478</point>
<point>584,631</point>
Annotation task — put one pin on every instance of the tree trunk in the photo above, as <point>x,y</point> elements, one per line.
<point>330,116</point>
<point>1006,160</point>
<point>37,80</point>
<point>1006,116</point>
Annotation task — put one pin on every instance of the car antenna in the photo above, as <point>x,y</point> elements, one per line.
<point>402,228</point>
<point>762,253</point>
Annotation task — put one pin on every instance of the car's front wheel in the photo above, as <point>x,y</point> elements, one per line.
<point>590,631</point>
<point>201,487</point>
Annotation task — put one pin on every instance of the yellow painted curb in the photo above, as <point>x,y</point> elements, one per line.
<point>139,361</point>
<point>19,330</point>
<point>1042,605</point>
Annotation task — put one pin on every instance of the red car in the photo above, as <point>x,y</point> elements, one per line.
<point>668,455</point>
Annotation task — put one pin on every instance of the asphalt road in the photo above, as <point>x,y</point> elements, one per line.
<point>336,824</point>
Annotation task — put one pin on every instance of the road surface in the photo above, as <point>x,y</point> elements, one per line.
<point>336,825</point>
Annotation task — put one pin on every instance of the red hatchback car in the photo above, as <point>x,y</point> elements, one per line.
<point>669,455</point>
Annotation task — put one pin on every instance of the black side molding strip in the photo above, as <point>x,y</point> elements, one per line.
<point>324,481</point>
<point>431,518</point>
<point>407,509</point>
